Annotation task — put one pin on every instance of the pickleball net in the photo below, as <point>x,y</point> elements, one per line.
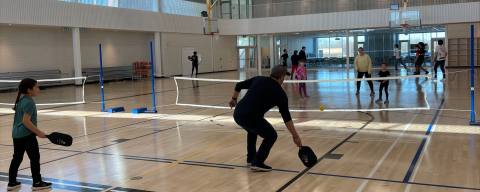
<point>405,93</point>
<point>62,91</point>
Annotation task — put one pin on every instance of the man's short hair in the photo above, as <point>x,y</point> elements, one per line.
<point>303,47</point>
<point>396,45</point>
<point>440,42</point>
<point>360,48</point>
<point>295,52</point>
<point>278,71</point>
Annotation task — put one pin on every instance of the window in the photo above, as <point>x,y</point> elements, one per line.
<point>145,5</point>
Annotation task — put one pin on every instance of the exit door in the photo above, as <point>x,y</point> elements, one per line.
<point>246,58</point>
<point>187,64</point>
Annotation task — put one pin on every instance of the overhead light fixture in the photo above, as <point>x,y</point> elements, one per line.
<point>10,24</point>
<point>115,30</point>
<point>297,33</point>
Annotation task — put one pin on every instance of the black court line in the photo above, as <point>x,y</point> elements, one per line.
<point>161,130</point>
<point>327,154</point>
<point>183,163</point>
<point>152,160</point>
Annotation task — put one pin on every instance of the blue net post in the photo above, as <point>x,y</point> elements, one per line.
<point>111,110</point>
<point>472,78</point>
<point>101,75</point>
<point>153,77</point>
<point>152,68</point>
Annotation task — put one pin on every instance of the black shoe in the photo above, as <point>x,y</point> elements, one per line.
<point>41,185</point>
<point>426,72</point>
<point>12,186</point>
<point>261,167</point>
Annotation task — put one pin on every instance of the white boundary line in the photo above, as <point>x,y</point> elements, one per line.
<point>385,155</point>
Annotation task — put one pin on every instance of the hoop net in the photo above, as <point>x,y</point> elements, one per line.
<point>60,91</point>
<point>333,94</point>
<point>216,34</point>
<point>404,26</point>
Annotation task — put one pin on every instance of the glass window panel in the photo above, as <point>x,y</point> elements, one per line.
<point>252,41</point>
<point>361,38</point>
<point>403,37</point>
<point>242,41</point>
<point>434,35</point>
<point>440,34</point>
<point>335,47</point>
<point>323,47</point>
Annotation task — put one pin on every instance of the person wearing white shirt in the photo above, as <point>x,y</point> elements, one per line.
<point>441,55</point>
<point>398,58</point>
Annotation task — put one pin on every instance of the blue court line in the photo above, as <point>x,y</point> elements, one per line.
<point>420,148</point>
<point>67,184</point>
<point>393,181</point>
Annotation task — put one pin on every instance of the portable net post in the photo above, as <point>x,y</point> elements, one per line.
<point>110,110</point>
<point>144,109</point>
<point>472,78</point>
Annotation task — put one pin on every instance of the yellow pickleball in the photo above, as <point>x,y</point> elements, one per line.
<point>322,108</point>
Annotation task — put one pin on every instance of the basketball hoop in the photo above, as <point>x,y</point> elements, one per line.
<point>216,34</point>
<point>404,26</point>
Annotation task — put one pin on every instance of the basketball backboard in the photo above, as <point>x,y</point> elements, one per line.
<point>210,26</point>
<point>401,18</point>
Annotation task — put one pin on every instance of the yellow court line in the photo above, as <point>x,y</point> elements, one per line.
<point>179,161</point>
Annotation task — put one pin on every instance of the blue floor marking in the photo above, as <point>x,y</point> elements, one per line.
<point>420,148</point>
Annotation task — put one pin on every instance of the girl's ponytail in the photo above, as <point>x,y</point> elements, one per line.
<point>16,101</point>
<point>23,87</point>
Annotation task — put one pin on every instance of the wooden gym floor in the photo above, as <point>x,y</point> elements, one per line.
<point>181,149</point>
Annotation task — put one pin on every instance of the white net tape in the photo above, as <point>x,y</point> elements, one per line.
<point>50,80</point>
<point>231,84</point>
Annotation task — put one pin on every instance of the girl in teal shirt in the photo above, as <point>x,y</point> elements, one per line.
<point>24,134</point>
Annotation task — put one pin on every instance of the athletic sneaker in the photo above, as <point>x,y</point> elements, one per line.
<point>378,100</point>
<point>372,93</point>
<point>261,167</point>
<point>443,80</point>
<point>41,185</point>
<point>249,164</point>
<point>434,78</point>
<point>426,72</point>
<point>386,101</point>
<point>12,186</point>
<point>306,96</point>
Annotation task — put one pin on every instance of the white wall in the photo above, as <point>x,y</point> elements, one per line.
<point>119,48</point>
<point>224,48</point>
<point>378,18</point>
<point>35,49</point>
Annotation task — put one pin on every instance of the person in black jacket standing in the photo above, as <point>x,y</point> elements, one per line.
<point>302,54</point>
<point>284,59</point>
<point>194,60</point>
<point>250,111</point>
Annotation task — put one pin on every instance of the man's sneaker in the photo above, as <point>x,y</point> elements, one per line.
<point>426,72</point>
<point>378,100</point>
<point>249,164</point>
<point>41,185</point>
<point>12,186</point>
<point>443,80</point>
<point>261,167</point>
<point>306,96</point>
<point>372,93</point>
<point>386,101</point>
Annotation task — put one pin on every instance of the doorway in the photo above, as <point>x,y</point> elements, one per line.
<point>246,58</point>
<point>187,64</point>
<point>280,49</point>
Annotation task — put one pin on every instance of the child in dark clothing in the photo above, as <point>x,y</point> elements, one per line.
<point>383,83</point>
